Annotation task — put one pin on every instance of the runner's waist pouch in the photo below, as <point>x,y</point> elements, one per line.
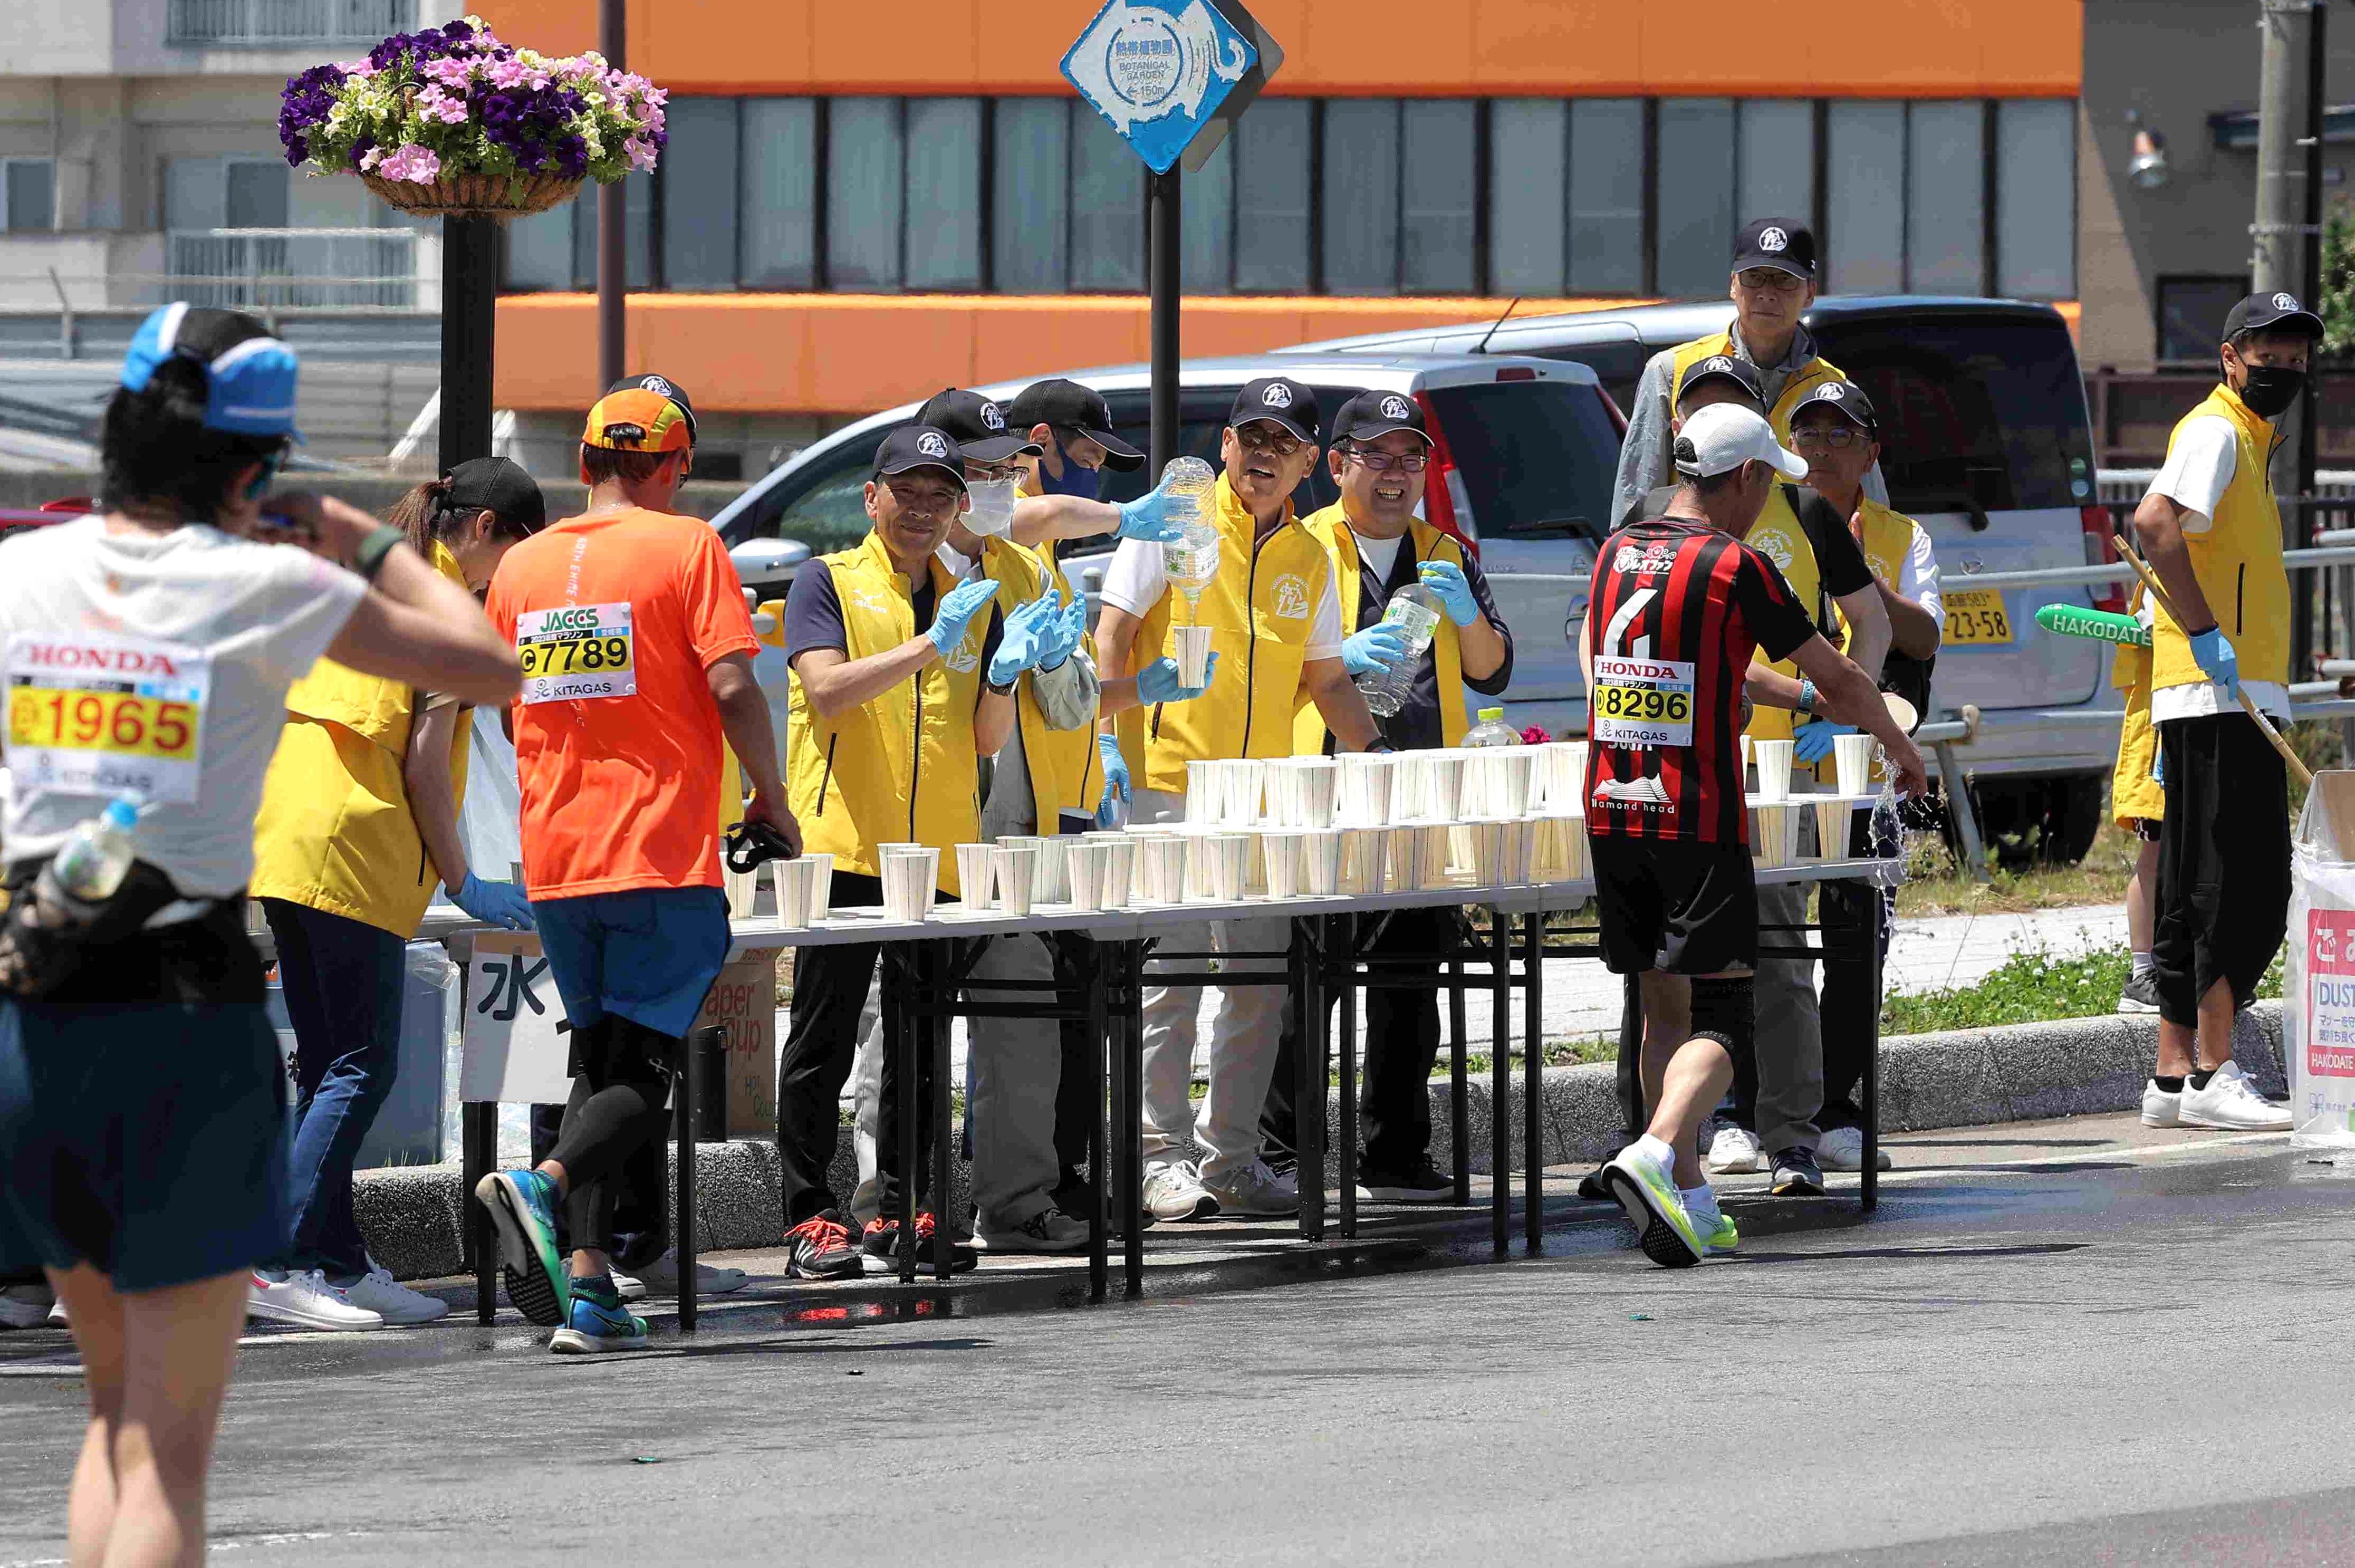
<point>145,943</point>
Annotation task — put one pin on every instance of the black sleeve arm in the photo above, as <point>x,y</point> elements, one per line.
<point>1838,557</point>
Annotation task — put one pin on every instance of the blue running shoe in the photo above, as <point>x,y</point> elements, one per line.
<point>597,1327</point>
<point>523,1209</point>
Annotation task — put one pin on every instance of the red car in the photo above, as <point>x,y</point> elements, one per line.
<point>57,511</point>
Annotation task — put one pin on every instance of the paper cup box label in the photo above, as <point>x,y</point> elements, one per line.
<point>743,1001</point>
<point>2331,993</point>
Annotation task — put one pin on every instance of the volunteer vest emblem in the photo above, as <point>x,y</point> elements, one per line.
<point>1395,408</point>
<point>932,445</point>
<point>965,655</point>
<point>2285,301</point>
<point>1278,396</point>
<point>1776,545</point>
<point>1290,597</point>
<point>1773,239</point>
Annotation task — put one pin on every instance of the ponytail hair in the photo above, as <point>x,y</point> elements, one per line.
<point>433,513</point>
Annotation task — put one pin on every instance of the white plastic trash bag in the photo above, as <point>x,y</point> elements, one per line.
<point>2319,990</point>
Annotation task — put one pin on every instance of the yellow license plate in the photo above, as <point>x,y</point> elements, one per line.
<point>1977,615</point>
<point>120,721</point>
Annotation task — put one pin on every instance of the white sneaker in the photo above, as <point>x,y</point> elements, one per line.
<point>2161,1107</point>
<point>1842,1148</point>
<point>57,1316</point>
<point>399,1306</point>
<point>1733,1150</point>
<point>26,1305</point>
<point>306,1300</point>
<point>1175,1191</point>
<point>628,1287</point>
<point>1049,1230</point>
<point>1256,1190</point>
<point>662,1276</point>
<point>2232,1102</point>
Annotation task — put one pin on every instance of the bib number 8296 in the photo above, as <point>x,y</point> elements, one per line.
<point>1645,702</point>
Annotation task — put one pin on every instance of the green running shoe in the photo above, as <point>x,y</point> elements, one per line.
<point>523,1210</point>
<point>596,1328</point>
<point>1723,1238</point>
<point>1663,1228</point>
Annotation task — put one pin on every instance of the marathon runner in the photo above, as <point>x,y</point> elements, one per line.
<point>1679,605</point>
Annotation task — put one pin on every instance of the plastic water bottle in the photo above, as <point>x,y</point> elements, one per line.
<point>1191,561</point>
<point>1415,611</point>
<point>1492,730</point>
<point>95,857</point>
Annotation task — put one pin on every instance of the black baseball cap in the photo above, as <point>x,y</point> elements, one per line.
<point>2271,313</point>
<point>1068,405</point>
<point>977,425</point>
<point>661,387</point>
<point>1280,398</point>
<point>1372,414</point>
<point>1777,242</point>
<point>1727,367</point>
<point>913,446</point>
<point>500,485</point>
<point>1847,398</point>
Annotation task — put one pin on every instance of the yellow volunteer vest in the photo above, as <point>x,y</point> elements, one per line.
<point>1888,537</point>
<point>1805,379</point>
<point>1066,769</point>
<point>335,832</point>
<point>2238,561</point>
<point>901,769</point>
<point>1777,536</point>
<point>1046,752</point>
<point>1260,608</point>
<point>1331,527</point>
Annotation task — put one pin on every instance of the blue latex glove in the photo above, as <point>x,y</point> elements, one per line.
<point>2218,661</point>
<point>1029,634</point>
<point>1148,516</point>
<point>1115,779</point>
<point>1378,647</point>
<point>1069,630</point>
<point>1157,682</point>
<point>494,903</point>
<point>956,612</point>
<point>1811,744</point>
<point>1446,579</point>
<point>2158,767</point>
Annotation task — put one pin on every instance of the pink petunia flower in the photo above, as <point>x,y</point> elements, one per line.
<point>435,104</point>
<point>411,162</point>
<point>641,153</point>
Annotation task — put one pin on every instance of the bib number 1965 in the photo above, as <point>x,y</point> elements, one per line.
<point>92,715</point>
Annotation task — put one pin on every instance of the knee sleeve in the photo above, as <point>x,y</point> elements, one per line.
<point>1723,1011</point>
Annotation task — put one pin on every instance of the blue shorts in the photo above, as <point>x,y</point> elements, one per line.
<point>147,1140</point>
<point>648,955</point>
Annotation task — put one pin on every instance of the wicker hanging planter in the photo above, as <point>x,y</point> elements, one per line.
<point>477,195</point>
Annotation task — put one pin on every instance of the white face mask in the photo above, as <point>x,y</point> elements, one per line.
<point>993,506</point>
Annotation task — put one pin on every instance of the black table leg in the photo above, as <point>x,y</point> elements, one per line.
<point>478,1124</point>
<point>1868,933</point>
<point>1533,1083</point>
<point>1500,1079</point>
<point>1129,1062</point>
<point>937,995</point>
<point>901,1045</point>
<point>1347,972</point>
<point>1316,1044</point>
<point>1092,990</point>
<point>683,1115</point>
<point>1459,1077</point>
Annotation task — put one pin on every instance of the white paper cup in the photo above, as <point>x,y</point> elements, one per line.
<point>1487,857</point>
<point>1434,844</point>
<point>1161,859</point>
<point>1201,792</point>
<point>1774,769</point>
<point>1246,783</point>
<point>1773,833</point>
<point>1227,853</point>
<point>975,867</point>
<point>1084,862</point>
<point>1363,860</point>
<point>1319,776</point>
<point>1017,869</point>
<point>1320,861</point>
<point>1119,878</point>
<point>1746,745</point>
<point>1516,781</point>
<point>1051,878</point>
<point>1517,850</point>
<point>1397,858</point>
<point>1558,782</point>
<point>1198,865</point>
<point>1832,819</point>
<point>1193,649</point>
<point>821,887</point>
<point>1852,762</point>
<point>1445,800</point>
<point>1361,790</point>
<point>792,885</point>
<point>1254,866</point>
<point>910,879</point>
<point>1280,854</point>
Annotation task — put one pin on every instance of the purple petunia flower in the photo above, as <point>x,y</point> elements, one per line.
<point>304,104</point>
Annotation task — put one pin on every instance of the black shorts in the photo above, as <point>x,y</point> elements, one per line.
<point>2223,861</point>
<point>1681,908</point>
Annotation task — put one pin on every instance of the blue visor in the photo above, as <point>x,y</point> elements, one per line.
<point>249,382</point>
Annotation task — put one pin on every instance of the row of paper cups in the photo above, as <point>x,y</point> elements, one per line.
<point>1852,764</point>
<point>1775,831</point>
<point>1379,790</point>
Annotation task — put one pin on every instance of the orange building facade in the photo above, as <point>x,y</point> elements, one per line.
<point>860,205</point>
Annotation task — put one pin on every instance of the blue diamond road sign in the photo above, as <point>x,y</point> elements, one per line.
<point>1157,71</point>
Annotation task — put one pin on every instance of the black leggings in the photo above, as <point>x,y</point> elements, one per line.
<point>620,1092</point>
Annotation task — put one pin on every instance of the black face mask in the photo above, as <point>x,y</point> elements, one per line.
<point>2272,389</point>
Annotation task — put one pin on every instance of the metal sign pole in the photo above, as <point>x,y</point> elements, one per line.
<point>1166,259</point>
<point>470,297</point>
<point>613,221</point>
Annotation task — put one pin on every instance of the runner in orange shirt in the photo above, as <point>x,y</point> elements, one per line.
<point>636,650</point>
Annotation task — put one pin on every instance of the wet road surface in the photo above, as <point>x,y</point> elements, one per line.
<point>2130,1348</point>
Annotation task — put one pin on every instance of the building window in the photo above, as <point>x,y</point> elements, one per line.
<point>1274,143</point>
<point>1107,210</point>
<point>864,171</point>
<point>699,195</point>
<point>29,195</point>
<point>1208,220</point>
<point>1775,161</point>
<point>1865,204</point>
<point>2036,198</point>
<point>1032,195</point>
<point>1439,196</point>
<point>1359,205</point>
<point>271,23</point>
<point>1945,199</point>
<point>944,190</point>
<point>637,234</point>
<point>2191,312</point>
<point>1692,196</point>
<point>1528,195</point>
<point>1606,196</point>
<point>776,245</point>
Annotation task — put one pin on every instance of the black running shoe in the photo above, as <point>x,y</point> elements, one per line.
<point>880,1248</point>
<point>1422,1182</point>
<point>820,1248</point>
<point>1797,1174</point>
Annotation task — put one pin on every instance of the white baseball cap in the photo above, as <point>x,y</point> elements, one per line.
<point>1724,436</point>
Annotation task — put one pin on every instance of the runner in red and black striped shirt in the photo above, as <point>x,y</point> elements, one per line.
<point>1679,605</point>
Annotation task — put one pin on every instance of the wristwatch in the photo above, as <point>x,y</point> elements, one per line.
<point>1806,695</point>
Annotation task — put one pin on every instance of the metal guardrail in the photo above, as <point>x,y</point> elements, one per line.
<point>267,23</point>
<point>245,268</point>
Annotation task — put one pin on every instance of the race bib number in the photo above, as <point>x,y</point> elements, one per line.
<point>91,715</point>
<point>1642,703</point>
<point>576,653</point>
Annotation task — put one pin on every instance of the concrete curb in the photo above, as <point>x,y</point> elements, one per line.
<point>411,1216</point>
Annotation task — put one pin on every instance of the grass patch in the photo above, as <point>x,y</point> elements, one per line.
<point>1936,883</point>
<point>2030,987</point>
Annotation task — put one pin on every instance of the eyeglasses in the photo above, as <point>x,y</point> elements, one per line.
<point>1763,279</point>
<point>1840,438</point>
<point>989,473</point>
<point>1259,437</point>
<point>1383,462</point>
<point>924,501</point>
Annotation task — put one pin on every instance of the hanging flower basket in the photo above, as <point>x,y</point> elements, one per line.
<point>452,122</point>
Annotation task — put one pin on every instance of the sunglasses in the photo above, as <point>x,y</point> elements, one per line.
<point>1260,437</point>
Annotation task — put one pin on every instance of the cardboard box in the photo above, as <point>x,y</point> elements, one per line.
<point>743,1001</point>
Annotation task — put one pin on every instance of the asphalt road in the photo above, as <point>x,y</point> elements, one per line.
<point>2126,1355</point>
